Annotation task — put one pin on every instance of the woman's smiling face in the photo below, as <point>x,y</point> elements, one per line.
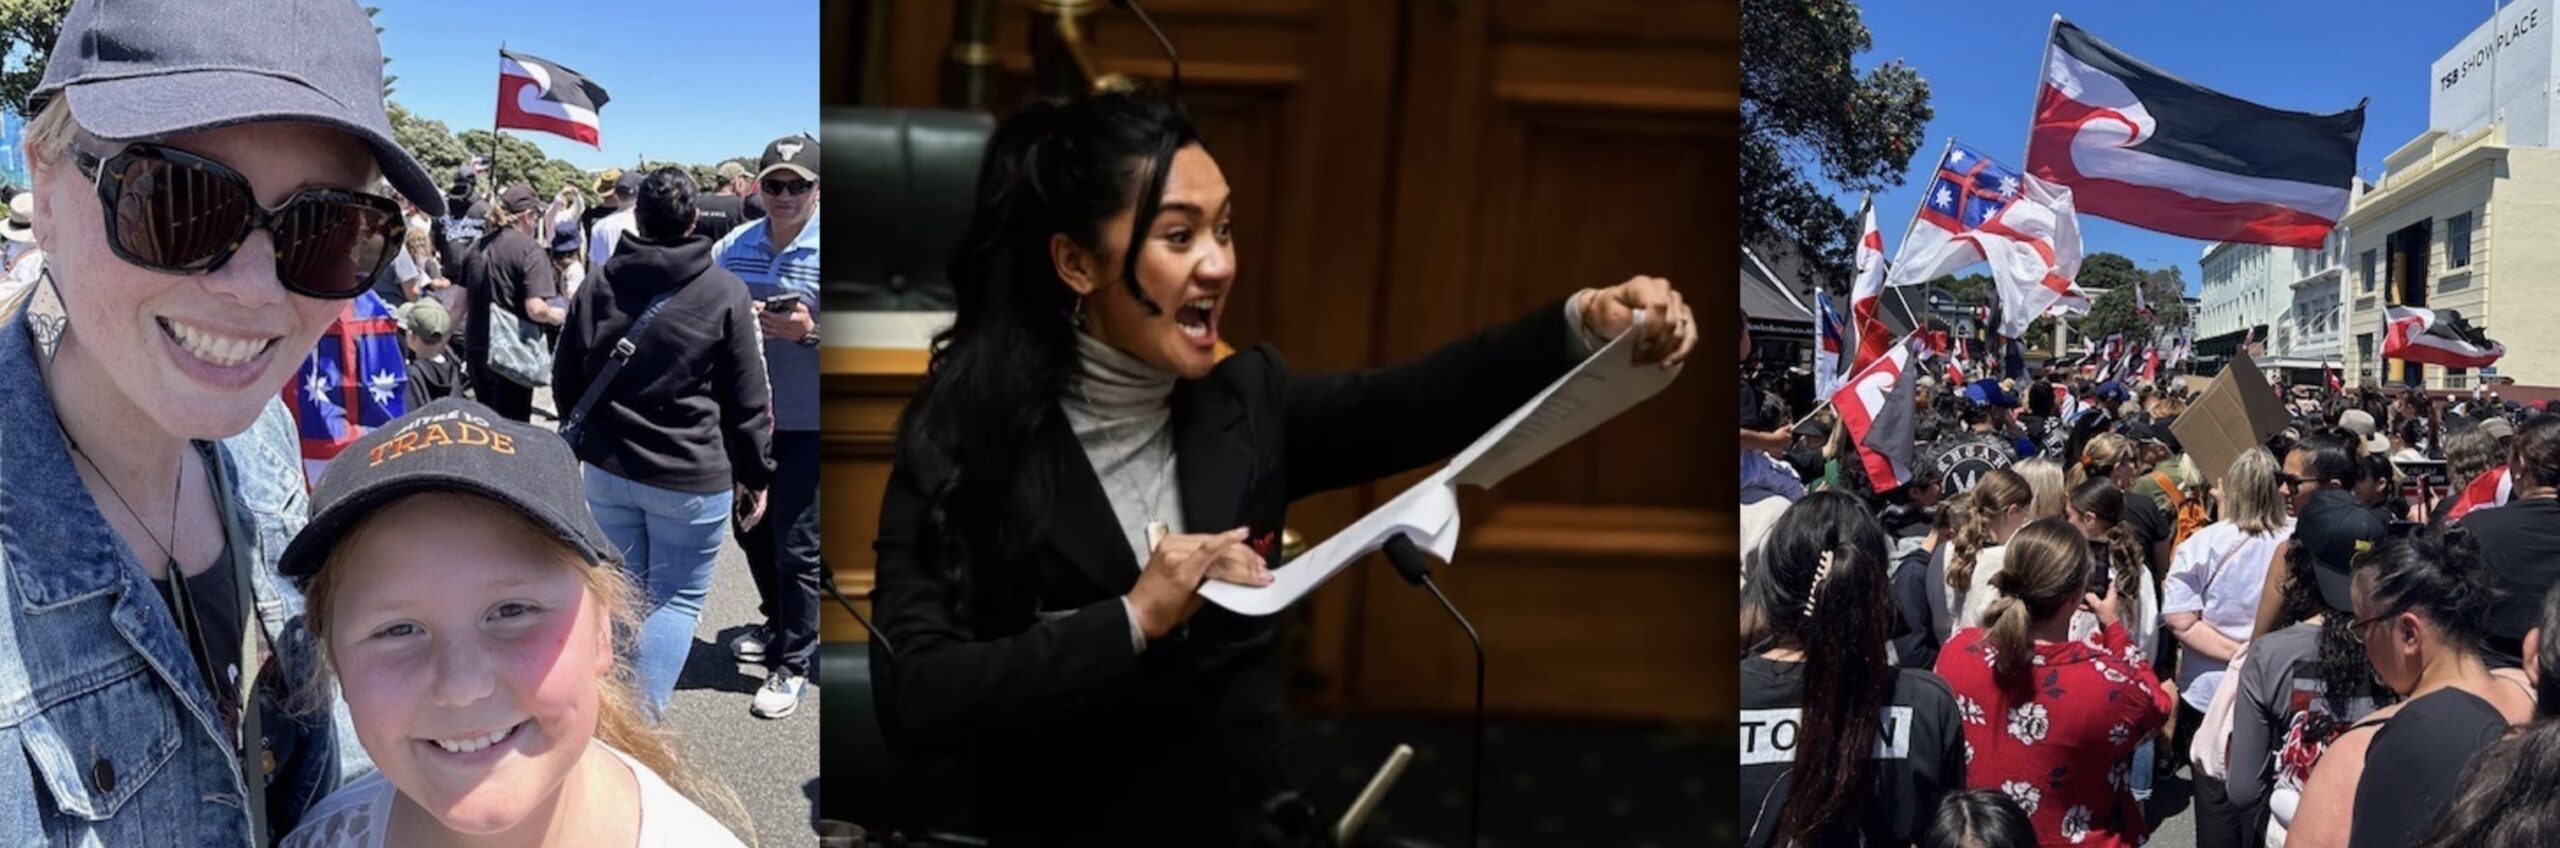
<point>470,660</point>
<point>1186,265</point>
<point>199,355</point>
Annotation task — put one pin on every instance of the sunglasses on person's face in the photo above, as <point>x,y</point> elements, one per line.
<point>173,211</point>
<point>2288,482</point>
<point>792,188</point>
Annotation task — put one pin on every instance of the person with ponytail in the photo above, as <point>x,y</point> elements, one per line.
<point>2506,801</point>
<point>2421,610</point>
<point>2053,721</point>
<point>1994,509</point>
<point>2117,459</point>
<point>1079,459</point>
<point>2302,685</point>
<point>1838,747</point>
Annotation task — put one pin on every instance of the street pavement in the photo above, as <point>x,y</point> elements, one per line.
<point>772,765</point>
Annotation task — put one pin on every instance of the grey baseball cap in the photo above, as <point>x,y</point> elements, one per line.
<point>142,69</point>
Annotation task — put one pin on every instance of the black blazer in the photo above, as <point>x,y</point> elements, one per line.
<point>1062,733</point>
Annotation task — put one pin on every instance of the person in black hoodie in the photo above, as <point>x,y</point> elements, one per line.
<point>677,440</point>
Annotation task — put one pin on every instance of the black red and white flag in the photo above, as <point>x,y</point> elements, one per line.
<point>540,95</point>
<point>1876,405</point>
<point>2139,145</point>
<point>2417,334</point>
<point>2493,488</point>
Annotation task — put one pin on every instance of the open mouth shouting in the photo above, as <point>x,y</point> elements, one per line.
<point>1198,320</point>
<point>223,359</point>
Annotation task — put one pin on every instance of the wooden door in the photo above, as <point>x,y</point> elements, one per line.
<point>1548,145</point>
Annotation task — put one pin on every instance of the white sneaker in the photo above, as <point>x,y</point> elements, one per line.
<point>749,646</point>
<point>780,695</point>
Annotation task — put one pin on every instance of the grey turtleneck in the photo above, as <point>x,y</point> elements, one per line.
<point>1121,411</point>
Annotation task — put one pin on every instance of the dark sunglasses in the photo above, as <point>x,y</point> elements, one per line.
<point>173,211</point>
<point>792,188</point>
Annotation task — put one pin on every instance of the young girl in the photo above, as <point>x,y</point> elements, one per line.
<point>469,603</point>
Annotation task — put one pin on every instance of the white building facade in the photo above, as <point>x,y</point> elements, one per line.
<point>2313,324</point>
<point>2247,292</point>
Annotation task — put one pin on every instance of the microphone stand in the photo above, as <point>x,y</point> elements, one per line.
<point>1415,567</point>
<point>827,581</point>
<point>1169,56</point>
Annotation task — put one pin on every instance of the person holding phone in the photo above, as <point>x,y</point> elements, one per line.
<point>778,258</point>
<point>674,441</point>
<point>2053,721</point>
<point>205,194</point>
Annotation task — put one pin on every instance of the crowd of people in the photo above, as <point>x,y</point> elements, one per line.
<point>2338,637</point>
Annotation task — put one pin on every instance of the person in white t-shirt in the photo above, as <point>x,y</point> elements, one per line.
<point>610,229</point>
<point>469,605</point>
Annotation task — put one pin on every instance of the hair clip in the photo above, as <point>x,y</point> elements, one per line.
<point>1821,570</point>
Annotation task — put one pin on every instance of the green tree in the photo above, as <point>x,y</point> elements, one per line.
<point>2113,312</point>
<point>1807,112</point>
<point>28,29</point>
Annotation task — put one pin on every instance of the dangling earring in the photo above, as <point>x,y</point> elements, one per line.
<point>1076,318</point>
<point>47,314</point>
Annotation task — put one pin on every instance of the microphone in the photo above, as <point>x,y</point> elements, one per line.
<point>1169,56</point>
<point>827,581</point>
<point>1415,566</point>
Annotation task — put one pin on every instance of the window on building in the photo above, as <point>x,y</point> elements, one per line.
<point>2457,241</point>
<point>2364,271</point>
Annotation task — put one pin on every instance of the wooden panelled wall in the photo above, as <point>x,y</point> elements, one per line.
<point>1406,172</point>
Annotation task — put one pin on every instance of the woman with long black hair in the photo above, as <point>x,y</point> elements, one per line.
<point>1816,694</point>
<point>1079,460</point>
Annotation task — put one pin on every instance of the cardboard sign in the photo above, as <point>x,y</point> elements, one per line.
<point>2238,411</point>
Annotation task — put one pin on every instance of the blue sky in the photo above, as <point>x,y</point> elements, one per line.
<point>1980,61</point>
<point>691,81</point>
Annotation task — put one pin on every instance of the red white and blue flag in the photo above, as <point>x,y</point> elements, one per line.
<point>2139,145</point>
<point>353,382</point>
<point>1978,210</point>
<point>1831,342</point>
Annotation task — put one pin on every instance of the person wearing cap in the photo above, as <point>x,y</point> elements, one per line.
<point>777,257</point>
<point>468,602</point>
<point>435,372</point>
<point>2369,439</point>
<point>148,472</point>
<point>568,260</point>
<point>608,230</point>
<point>2290,704</point>
<point>679,434</point>
<point>721,209</point>
<point>507,270</point>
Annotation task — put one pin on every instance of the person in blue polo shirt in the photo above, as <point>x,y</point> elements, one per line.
<point>777,256</point>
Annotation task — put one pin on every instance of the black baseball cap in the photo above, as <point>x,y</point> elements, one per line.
<point>2333,528</point>
<point>795,153</point>
<point>142,69</point>
<point>451,445</point>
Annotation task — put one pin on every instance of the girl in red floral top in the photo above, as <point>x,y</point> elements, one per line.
<point>2049,721</point>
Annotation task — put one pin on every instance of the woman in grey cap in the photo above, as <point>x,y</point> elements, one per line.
<point>201,197</point>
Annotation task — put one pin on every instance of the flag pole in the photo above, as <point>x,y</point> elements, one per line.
<point>498,110</point>
<point>2043,65</point>
<point>1919,320</point>
<point>1826,401</point>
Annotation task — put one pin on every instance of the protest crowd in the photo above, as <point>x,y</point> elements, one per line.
<point>2336,632</point>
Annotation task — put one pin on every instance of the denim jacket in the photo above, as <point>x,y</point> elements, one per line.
<point>108,736</point>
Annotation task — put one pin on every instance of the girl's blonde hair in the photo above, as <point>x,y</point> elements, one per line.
<point>2044,478</point>
<point>2101,456</point>
<point>619,720</point>
<point>1998,491</point>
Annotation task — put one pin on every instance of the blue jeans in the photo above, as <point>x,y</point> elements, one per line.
<point>670,540</point>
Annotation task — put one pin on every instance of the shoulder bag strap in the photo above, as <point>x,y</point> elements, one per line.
<point>622,351</point>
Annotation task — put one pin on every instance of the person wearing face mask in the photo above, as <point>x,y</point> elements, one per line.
<point>1079,460</point>
<point>205,196</point>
